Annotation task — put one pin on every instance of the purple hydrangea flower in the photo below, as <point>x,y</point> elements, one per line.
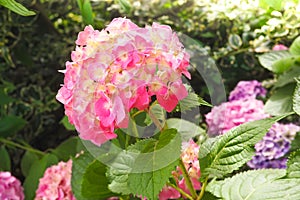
<point>270,151</point>
<point>228,115</point>
<point>247,89</point>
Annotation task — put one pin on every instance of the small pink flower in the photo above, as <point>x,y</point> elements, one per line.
<point>169,193</point>
<point>56,183</point>
<point>10,187</point>
<point>279,47</point>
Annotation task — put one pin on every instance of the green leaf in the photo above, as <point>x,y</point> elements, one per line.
<point>5,164</point>
<point>186,129</point>
<point>288,77</point>
<point>295,143</point>
<point>296,98</point>
<point>68,148</point>
<point>4,98</point>
<point>79,167</point>
<point>95,183</point>
<point>122,166</point>
<point>278,61</point>
<point>233,149</point>
<point>86,11</point>
<point>67,124</point>
<point>16,7</point>
<point>125,5</point>
<point>257,184</point>
<point>235,41</point>
<point>295,47</point>
<point>156,162</point>
<point>27,161</point>
<point>293,165</point>
<point>11,124</point>
<point>281,101</point>
<point>35,173</point>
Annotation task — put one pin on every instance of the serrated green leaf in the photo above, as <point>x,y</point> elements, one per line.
<point>68,148</point>
<point>293,165</point>
<point>281,101</point>
<point>296,98</point>
<point>235,41</point>
<point>186,129</point>
<point>156,162</point>
<point>11,124</point>
<point>35,173</point>
<point>278,61</point>
<point>233,149</point>
<point>5,163</point>
<point>257,184</point>
<point>27,161</point>
<point>16,7</point>
<point>67,124</point>
<point>295,47</point>
<point>287,77</point>
<point>95,183</point>
<point>189,102</point>
<point>79,166</point>
<point>122,166</point>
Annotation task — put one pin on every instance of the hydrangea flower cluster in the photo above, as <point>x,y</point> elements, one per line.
<point>10,187</point>
<point>230,114</point>
<point>189,157</point>
<point>120,68</point>
<point>247,89</point>
<point>242,107</point>
<point>56,183</point>
<point>270,151</point>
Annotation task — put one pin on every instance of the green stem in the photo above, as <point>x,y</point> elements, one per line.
<point>202,189</point>
<point>11,143</point>
<point>155,120</point>
<point>187,179</point>
<point>180,190</point>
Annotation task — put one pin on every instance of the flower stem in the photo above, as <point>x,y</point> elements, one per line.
<point>202,189</point>
<point>154,119</point>
<point>180,191</point>
<point>187,179</point>
<point>27,148</point>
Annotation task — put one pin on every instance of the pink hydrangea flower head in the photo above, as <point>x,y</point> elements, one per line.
<point>56,183</point>
<point>189,157</point>
<point>228,115</point>
<point>10,187</point>
<point>247,89</point>
<point>120,68</point>
<point>279,47</point>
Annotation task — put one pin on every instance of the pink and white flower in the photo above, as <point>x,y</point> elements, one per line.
<point>115,70</point>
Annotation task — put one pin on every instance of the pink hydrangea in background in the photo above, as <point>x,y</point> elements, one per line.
<point>279,47</point>
<point>56,183</point>
<point>270,151</point>
<point>230,114</point>
<point>10,187</point>
<point>189,157</point>
<point>247,89</point>
<point>120,68</point>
